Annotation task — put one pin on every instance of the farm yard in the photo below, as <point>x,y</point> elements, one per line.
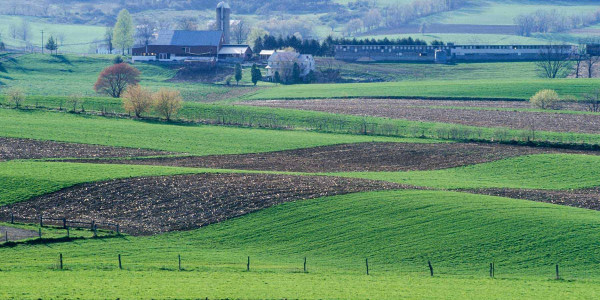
<point>394,181</point>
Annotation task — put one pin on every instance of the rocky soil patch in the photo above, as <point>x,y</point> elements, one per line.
<point>584,198</point>
<point>14,148</point>
<point>423,110</point>
<point>152,205</point>
<point>353,157</point>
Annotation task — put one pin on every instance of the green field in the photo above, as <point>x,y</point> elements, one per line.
<point>490,89</point>
<point>460,233</point>
<point>544,171</point>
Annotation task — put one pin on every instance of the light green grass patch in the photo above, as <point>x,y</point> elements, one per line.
<point>492,89</point>
<point>193,139</point>
<point>542,171</point>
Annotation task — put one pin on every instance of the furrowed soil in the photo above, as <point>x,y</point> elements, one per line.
<point>430,111</point>
<point>352,157</point>
<point>584,198</point>
<point>150,205</point>
<point>13,148</point>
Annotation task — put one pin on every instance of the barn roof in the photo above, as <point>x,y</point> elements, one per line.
<point>188,38</point>
<point>234,49</point>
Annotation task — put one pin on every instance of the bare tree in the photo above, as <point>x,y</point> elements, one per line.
<point>590,62</point>
<point>13,31</point>
<point>108,38</point>
<point>240,31</point>
<point>579,57</point>
<point>145,31</point>
<point>24,30</point>
<point>372,19</point>
<point>187,23</point>
<point>553,62</point>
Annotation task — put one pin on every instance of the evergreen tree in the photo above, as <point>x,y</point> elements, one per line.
<point>256,74</point>
<point>277,77</point>
<point>296,73</point>
<point>124,31</point>
<point>51,45</point>
<point>258,45</point>
<point>238,73</point>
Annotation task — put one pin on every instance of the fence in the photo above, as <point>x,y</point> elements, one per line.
<point>62,223</point>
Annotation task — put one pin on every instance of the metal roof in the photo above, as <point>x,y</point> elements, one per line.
<point>188,38</point>
<point>234,49</point>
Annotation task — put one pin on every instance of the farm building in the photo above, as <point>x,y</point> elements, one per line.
<point>237,53</point>
<point>195,46</point>
<point>450,52</point>
<point>283,63</point>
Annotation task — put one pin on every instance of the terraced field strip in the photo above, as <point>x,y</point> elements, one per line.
<point>150,205</point>
<point>13,148</point>
<point>434,111</point>
<point>542,171</point>
<point>464,89</point>
<point>373,157</point>
<point>192,139</point>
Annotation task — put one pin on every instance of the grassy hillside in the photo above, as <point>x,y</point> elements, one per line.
<point>510,89</point>
<point>64,75</point>
<point>544,171</point>
<point>193,139</point>
<point>461,234</point>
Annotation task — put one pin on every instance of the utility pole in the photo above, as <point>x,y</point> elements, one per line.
<point>42,42</point>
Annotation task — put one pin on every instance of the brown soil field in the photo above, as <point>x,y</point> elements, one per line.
<point>417,110</point>
<point>13,148</point>
<point>150,205</point>
<point>352,157</point>
<point>15,234</point>
<point>585,198</point>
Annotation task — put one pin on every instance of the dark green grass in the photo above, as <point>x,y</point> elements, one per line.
<point>398,231</point>
<point>543,171</point>
<point>463,89</point>
<point>193,139</point>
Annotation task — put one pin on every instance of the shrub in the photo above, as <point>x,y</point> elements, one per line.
<point>228,80</point>
<point>167,103</point>
<point>138,100</point>
<point>118,60</point>
<point>15,96</point>
<point>73,101</point>
<point>545,99</point>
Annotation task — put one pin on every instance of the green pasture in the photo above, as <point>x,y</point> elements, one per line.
<point>64,75</point>
<point>491,89</point>
<point>398,231</point>
<point>543,171</point>
<point>192,139</point>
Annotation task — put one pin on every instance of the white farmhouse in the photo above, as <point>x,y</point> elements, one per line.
<point>283,63</point>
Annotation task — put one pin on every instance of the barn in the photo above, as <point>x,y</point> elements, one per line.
<point>181,45</point>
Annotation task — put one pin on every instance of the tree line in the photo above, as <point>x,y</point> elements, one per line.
<point>546,21</point>
<point>327,46</point>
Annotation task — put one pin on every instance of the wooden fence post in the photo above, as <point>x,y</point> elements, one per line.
<point>304,264</point>
<point>60,258</point>
<point>68,233</point>
<point>491,270</point>
<point>41,221</point>
<point>64,223</point>
<point>557,274</point>
<point>92,225</point>
<point>248,264</point>
<point>367,263</point>
<point>118,231</point>
<point>179,258</point>
<point>120,265</point>
<point>12,218</point>
<point>40,232</point>
<point>430,268</point>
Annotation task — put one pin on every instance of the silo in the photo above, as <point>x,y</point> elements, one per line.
<point>223,19</point>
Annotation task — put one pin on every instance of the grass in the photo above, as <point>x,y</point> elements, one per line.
<point>543,171</point>
<point>192,139</point>
<point>491,89</point>
<point>63,75</point>
<point>460,233</point>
